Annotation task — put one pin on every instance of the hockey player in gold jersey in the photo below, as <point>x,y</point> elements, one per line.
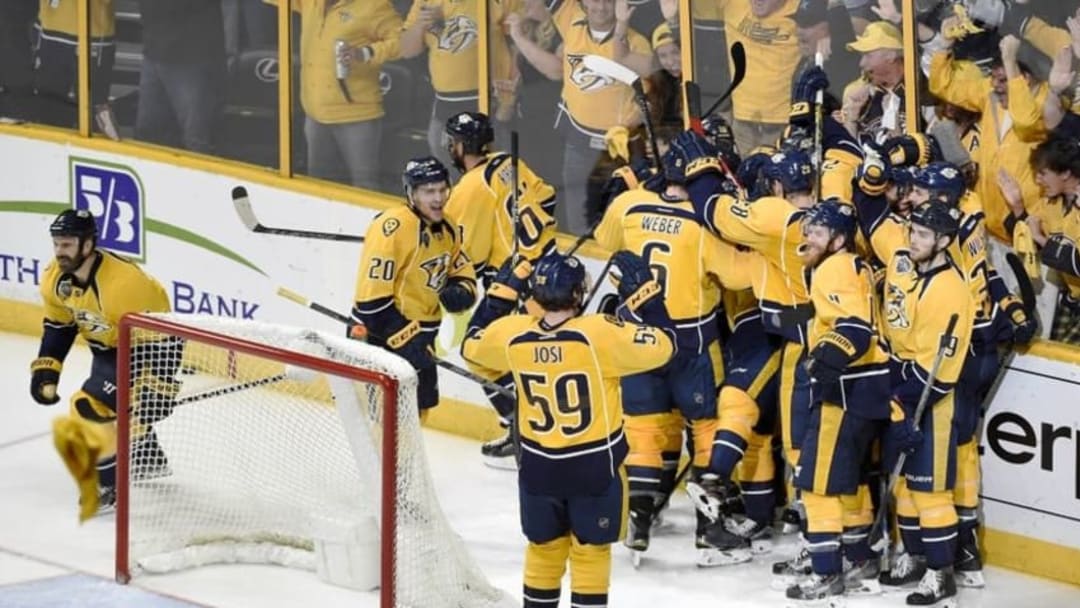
<point>411,263</point>
<point>85,292</point>
<point>572,483</point>
<point>482,206</point>
<point>848,367</point>
<point>691,262</point>
<point>923,288</point>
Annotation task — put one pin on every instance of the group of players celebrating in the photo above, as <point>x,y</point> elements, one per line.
<point>846,312</point>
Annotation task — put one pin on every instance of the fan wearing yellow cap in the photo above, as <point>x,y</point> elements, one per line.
<point>874,106</point>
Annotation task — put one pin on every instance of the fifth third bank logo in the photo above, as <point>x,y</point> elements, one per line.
<point>113,195</point>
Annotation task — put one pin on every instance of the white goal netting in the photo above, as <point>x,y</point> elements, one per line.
<point>249,441</point>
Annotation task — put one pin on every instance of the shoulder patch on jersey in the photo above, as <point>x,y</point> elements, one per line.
<point>390,226</point>
<point>903,263</point>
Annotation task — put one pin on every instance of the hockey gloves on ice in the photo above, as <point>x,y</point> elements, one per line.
<point>803,100</point>
<point>44,376</point>
<point>902,431</point>
<point>458,294</point>
<point>1024,327</point>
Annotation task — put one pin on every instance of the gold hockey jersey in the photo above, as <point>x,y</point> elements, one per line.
<point>405,263</point>
<point>114,288</point>
<point>481,205</point>
<point>569,404</point>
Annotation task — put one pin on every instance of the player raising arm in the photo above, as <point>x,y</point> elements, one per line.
<point>85,292</point>
<point>567,368</point>
<point>412,261</point>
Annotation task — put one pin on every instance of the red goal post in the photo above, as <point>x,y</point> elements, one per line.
<point>274,431</point>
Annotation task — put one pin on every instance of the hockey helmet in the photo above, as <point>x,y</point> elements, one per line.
<point>838,217</point>
<point>903,176</point>
<point>940,217</point>
<point>793,169</point>
<point>942,179</point>
<point>423,170</point>
<point>751,173</point>
<point>74,222</point>
<point>473,129</point>
<point>558,282</point>
<point>718,132</point>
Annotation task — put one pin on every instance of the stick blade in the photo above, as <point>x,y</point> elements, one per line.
<point>610,68</point>
<point>1027,290</point>
<point>242,204</point>
<point>692,92</point>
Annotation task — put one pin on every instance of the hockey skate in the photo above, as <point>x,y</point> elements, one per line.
<point>760,535</point>
<point>906,569</point>
<point>937,588</point>
<point>792,571</point>
<point>640,529</point>
<point>817,590</point>
<point>861,578</point>
<point>717,545</point>
<point>500,453</point>
<point>968,567</point>
<point>148,460</point>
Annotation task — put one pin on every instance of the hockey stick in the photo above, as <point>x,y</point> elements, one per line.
<point>943,345</point>
<point>1023,282</point>
<point>738,60</point>
<point>515,209</point>
<point>692,91</point>
<point>617,71</point>
<point>819,119</point>
<point>233,388</point>
<point>289,294</point>
<point>242,204</point>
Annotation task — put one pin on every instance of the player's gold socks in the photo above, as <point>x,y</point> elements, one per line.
<point>545,564</point>
<point>590,574</point>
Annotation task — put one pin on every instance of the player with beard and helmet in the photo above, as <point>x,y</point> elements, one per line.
<point>482,206</point>
<point>86,291</point>
<point>567,367</point>
<point>411,263</point>
<point>848,368</point>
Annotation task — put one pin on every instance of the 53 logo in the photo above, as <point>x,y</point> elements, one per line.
<point>114,195</point>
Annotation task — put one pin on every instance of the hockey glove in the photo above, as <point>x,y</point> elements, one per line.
<point>641,295</point>
<point>830,357</point>
<point>803,102</point>
<point>44,376</point>
<point>511,281</point>
<point>418,354</point>
<point>1061,254</point>
<point>458,294</point>
<point>902,431</point>
<point>1023,326</point>
<point>695,154</point>
<point>873,174</point>
<point>908,150</point>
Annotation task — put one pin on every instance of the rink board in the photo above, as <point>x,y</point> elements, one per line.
<point>174,214</point>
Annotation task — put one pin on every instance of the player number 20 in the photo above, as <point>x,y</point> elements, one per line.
<point>381,269</point>
<point>564,403</point>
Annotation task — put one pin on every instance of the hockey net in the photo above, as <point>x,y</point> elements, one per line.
<point>276,434</point>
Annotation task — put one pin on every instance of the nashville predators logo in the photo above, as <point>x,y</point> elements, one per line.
<point>585,79</point>
<point>895,307</point>
<point>458,34</point>
<point>90,323</point>
<point>437,269</point>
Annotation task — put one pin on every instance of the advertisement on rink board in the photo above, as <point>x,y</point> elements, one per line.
<point>1031,452</point>
<point>180,224</point>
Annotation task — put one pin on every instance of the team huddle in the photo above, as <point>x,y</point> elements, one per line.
<point>846,314</point>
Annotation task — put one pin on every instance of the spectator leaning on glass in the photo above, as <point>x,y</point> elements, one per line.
<point>182,79</point>
<point>342,45</point>
<point>591,103</point>
<point>873,107</point>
